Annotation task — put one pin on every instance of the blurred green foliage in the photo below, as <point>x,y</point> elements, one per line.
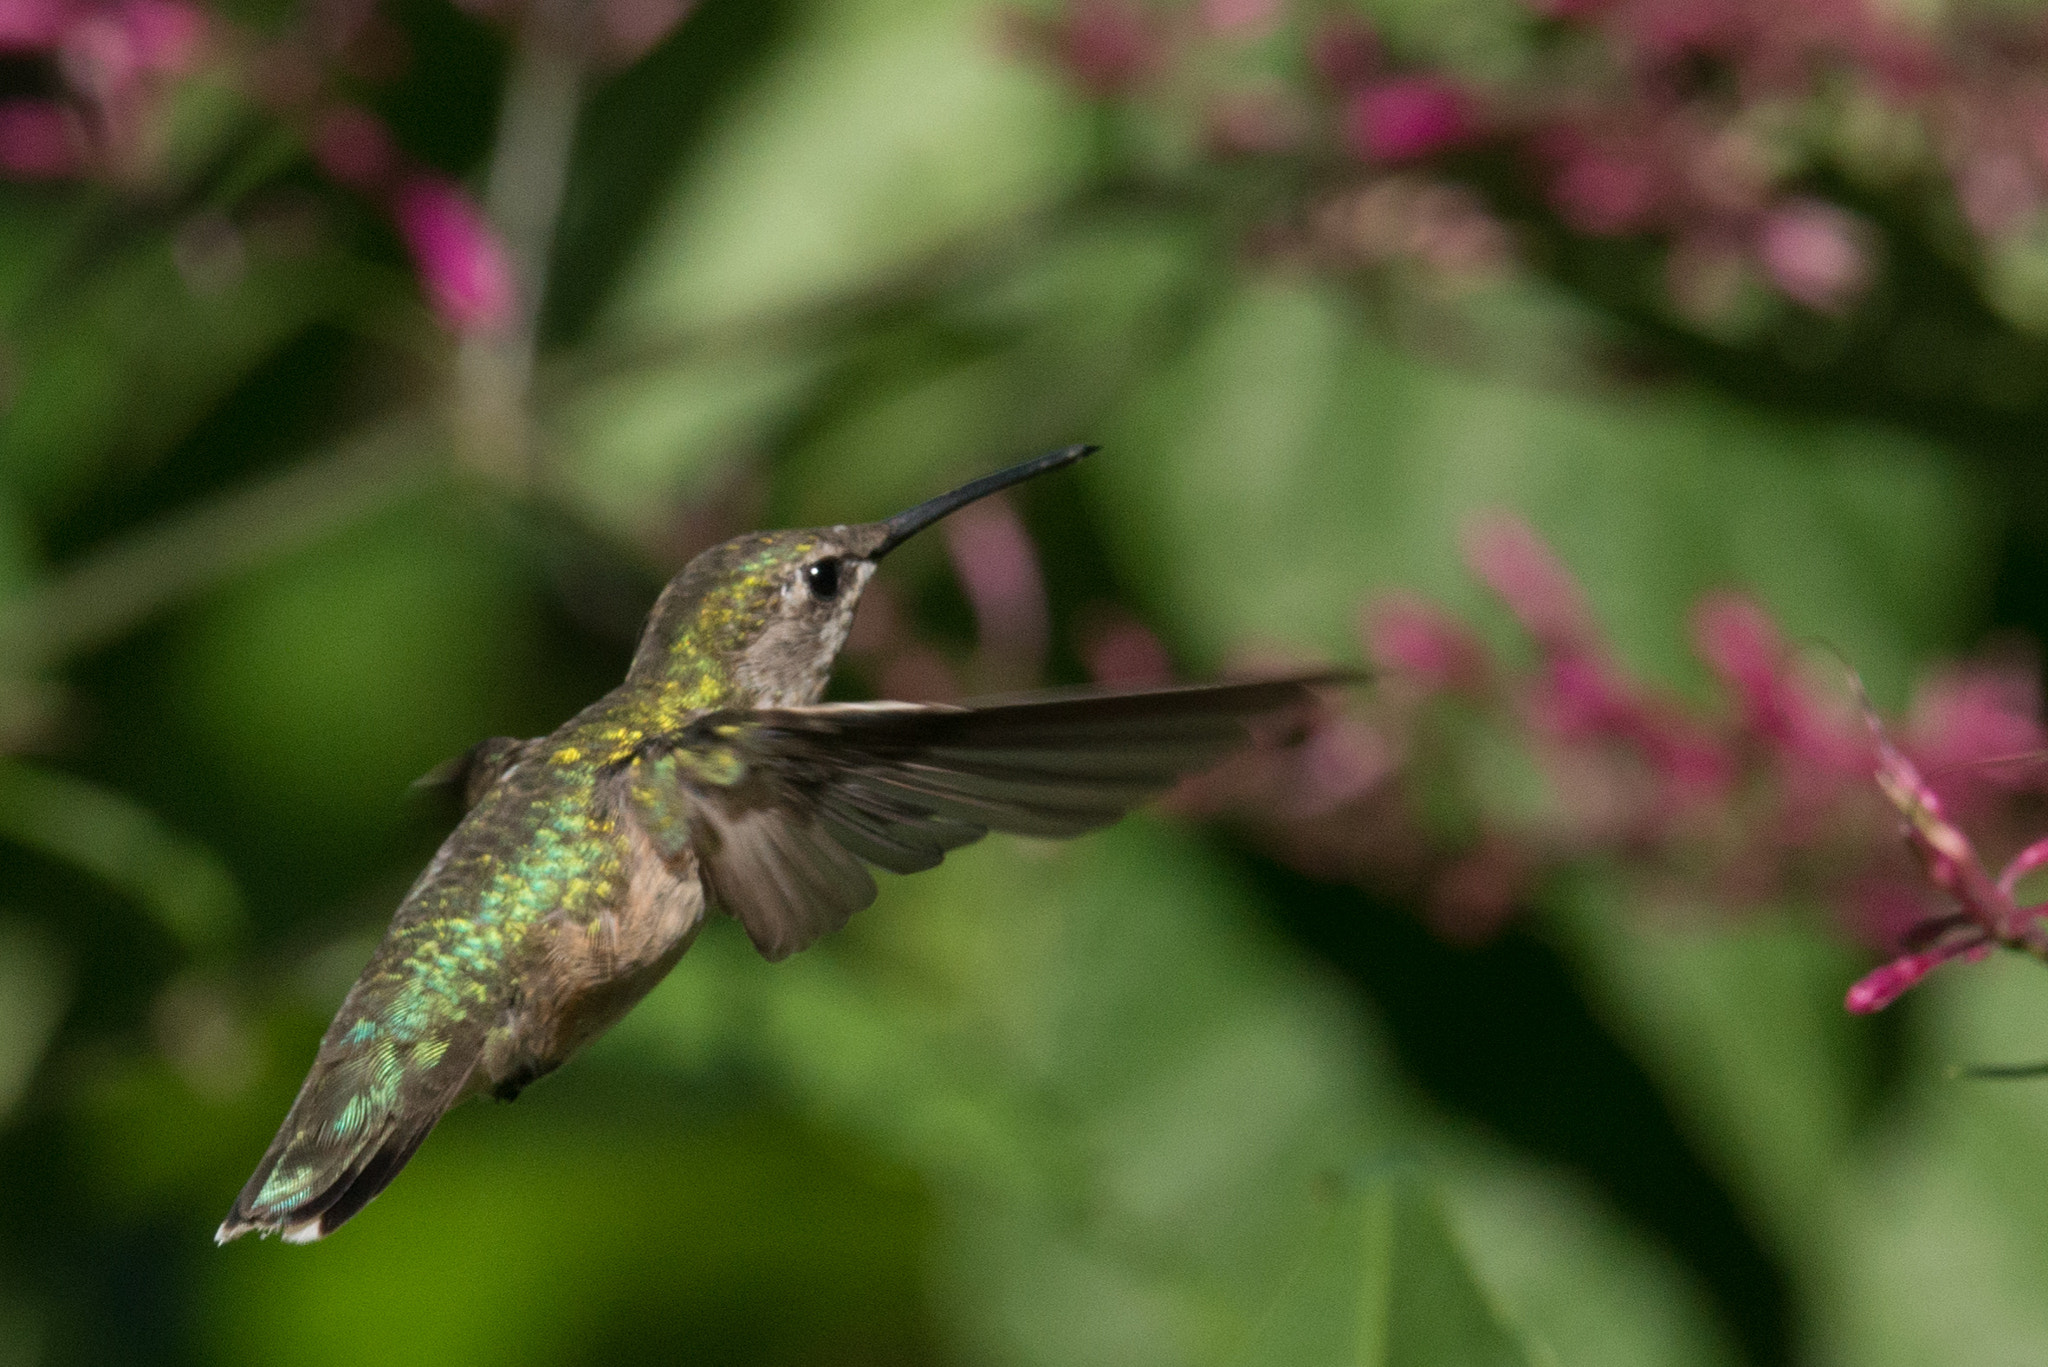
<point>1143,1099</point>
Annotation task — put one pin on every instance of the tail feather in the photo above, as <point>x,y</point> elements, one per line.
<point>367,1105</point>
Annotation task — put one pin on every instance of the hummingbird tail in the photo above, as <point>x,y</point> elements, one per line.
<point>363,1111</point>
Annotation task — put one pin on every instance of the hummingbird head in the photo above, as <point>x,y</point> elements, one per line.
<point>772,609</point>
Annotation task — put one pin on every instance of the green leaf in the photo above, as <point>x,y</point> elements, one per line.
<point>1744,1029</point>
<point>886,130</point>
<point>178,882</point>
<point>1938,1246</point>
<point>34,988</point>
<point>1293,463</point>
<point>1383,1285</point>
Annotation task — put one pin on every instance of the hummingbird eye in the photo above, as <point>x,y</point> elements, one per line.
<point>823,578</point>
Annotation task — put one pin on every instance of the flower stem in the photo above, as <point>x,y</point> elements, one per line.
<point>529,168</point>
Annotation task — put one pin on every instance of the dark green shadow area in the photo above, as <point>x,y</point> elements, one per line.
<point>1499,1034</point>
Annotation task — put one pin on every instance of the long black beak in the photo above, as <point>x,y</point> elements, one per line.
<point>911,521</point>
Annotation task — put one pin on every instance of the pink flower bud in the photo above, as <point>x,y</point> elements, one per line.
<point>1406,119</point>
<point>1740,643</point>
<point>353,148</point>
<point>459,258</point>
<point>1814,252</point>
<point>38,140</point>
<point>1408,635</point>
<point>1882,986</point>
<point>1512,560</point>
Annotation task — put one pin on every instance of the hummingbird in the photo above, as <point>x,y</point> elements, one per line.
<point>712,778</point>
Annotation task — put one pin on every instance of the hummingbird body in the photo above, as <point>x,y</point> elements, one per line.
<point>711,777</point>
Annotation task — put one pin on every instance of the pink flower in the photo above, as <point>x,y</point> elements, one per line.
<point>460,260</point>
<point>998,568</point>
<point>1109,46</point>
<point>1884,985</point>
<point>39,140</point>
<point>1606,192</point>
<point>1978,726</point>
<point>1507,554</point>
<point>1408,635</point>
<point>32,25</point>
<point>1121,652</point>
<point>1406,119</point>
<point>164,35</point>
<point>1241,17</point>
<point>1986,916</point>
<point>353,148</point>
<point>1742,646</point>
<point>1814,252</point>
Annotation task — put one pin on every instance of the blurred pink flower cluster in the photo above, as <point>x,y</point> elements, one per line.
<point>108,62</point>
<point>1731,133</point>
<point>112,66</point>
<point>1779,787</point>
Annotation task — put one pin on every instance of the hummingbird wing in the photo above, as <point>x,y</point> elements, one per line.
<point>784,808</point>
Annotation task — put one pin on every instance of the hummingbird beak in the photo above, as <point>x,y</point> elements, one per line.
<point>911,521</point>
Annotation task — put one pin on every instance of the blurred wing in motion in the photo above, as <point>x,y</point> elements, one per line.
<point>784,808</point>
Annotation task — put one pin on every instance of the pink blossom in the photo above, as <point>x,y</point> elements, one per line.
<point>1815,253</point>
<point>353,148</point>
<point>1410,636</point>
<point>99,57</point>
<point>1406,119</point>
<point>1109,46</point>
<point>998,568</point>
<point>1606,192</point>
<point>1661,30</point>
<point>1741,644</point>
<point>459,258</point>
<point>1884,985</point>
<point>1122,653</point>
<point>1977,727</point>
<point>164,35</point>
<point>1512,560</point>
<point>1743,647</point>
<point>39,139</point>
<point>2025,862</point>
<point>1239,17</point>
<point>1581,696</point>
<point>32,25</point>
